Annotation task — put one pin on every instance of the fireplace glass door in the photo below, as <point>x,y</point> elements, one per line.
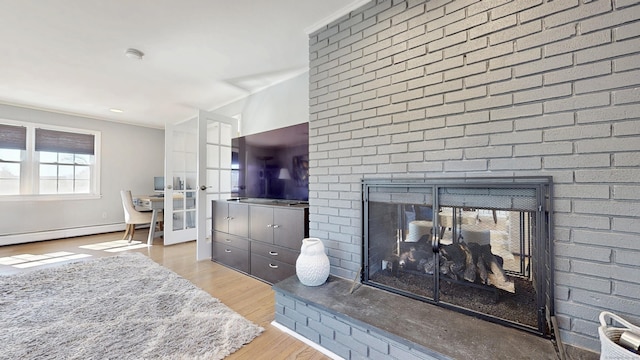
<point>481,248</point>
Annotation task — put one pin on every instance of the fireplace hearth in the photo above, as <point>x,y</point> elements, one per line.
<point>480,246</point>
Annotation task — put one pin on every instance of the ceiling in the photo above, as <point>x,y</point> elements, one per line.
<point>69,55</point>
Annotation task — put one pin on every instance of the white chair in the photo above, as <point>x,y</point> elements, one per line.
<point>133,217</point>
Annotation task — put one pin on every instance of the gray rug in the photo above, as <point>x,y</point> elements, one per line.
<point>119,307</point>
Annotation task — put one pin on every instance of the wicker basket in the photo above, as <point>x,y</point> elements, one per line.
<point>610,336</point>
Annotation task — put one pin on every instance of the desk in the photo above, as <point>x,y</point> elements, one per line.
<point>155,204</point>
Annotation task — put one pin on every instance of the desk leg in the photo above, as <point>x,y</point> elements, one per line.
<point>152,227</point>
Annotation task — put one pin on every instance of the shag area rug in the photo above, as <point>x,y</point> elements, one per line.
<point>118,307</point>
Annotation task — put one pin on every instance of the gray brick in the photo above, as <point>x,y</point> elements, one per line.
<point>544,65</point>
<point>492,127</point>
<point>578,13</point>
<point>626,289</point>
<point>465,47</point>
<point>371,341</point>
<point>577,161</point>
<point>615,240</point>
<point>349,342</point>
<point>284,300</point>
<point>465,94</point>
<point>546,9</point>
<point>626,258</point>
<point>485,6</point>
<point>489,102</point>
<point>618,48</point>
<point>321,329</point>
<point>627,63</point>
<point>513,7</point>
<point>609,82</point>
<point>606,176</point>
<point>609,20</point>
<point>468,118</point>
<point>470,142</point>
<point>518,32</point>
<point>285,321</point>
<point>527,163</point>
<point>593,253</point>
<point>523,83</point>
<point>583,282</point>
<point>489,152</point>
<point>466,71</point>
<point>468,23</point>
<point>582,221</point>
<point>466,165</point>
<point>543,149</point>
<point>490,52</point>
<point>579,43</point>
<point>440,66</point>
<point>627,31</point>
<point>443,21</point>
<point>334,347</point>
<point>519,57</point>
<point>578,132</point>
<point>292,314</point>
<point>627,159</point>
<point>607,145</point>
<point>516,112</point>
<point>621,112</point>
<point>335,324</point>
<point>444,155</point>
<point>493,26</point>
<point>546,37</point>
<point>426,102</point>
<point>488,78</point>
<point>626,192</point>
<point>578,72</point>
<point>619,208</point>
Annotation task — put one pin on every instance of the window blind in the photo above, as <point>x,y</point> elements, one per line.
<point>13,137</point>
<point>65,142</point>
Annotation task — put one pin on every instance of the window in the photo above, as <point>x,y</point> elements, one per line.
<point>47,161</point>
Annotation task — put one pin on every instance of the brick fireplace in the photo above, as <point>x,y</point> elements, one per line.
<point>453,88</point>
<point>479,246</point>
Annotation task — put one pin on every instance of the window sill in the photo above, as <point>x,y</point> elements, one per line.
<point>52,197</point>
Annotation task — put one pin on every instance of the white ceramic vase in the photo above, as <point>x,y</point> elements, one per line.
<point>312,265</point>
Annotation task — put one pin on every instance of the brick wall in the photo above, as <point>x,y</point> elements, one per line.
<point>484,88</point>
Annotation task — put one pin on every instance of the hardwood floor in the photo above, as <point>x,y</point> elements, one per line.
<point>249,297</point>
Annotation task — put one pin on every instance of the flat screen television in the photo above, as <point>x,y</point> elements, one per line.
<point>272,164</point>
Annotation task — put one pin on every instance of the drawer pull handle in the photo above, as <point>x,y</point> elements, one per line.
<point>227,240</point>
<point>276,226</point>
<point>269,225</point>
<point>273,253</point>
<point>227,250</point>
<point>227,217</point>
<point>273,266</point>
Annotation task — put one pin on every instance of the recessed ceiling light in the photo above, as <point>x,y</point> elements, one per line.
<point>115,110</point>
<point>134,54</point>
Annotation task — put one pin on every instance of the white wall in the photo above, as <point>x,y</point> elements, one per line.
<point>130,157</point>
<point>284,104</point>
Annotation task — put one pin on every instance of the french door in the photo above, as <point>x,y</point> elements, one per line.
<point>197,170</point>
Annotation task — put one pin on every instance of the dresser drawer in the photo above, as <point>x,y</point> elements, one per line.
<point>230,240</point>
<point>231,256</point>
<point>270,270</point>
<point>273,252</point>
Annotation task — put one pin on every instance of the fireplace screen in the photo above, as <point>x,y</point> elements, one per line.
<point>479,246</point>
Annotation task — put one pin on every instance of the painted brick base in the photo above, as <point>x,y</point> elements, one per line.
<point>341,335</point>
<point>370,323</point>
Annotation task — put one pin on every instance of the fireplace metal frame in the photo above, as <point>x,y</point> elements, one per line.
<point>542,250</point>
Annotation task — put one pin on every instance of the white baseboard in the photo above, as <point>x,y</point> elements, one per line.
<point>306,341</point>
<point>59,234</point>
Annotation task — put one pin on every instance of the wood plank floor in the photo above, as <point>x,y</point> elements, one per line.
<point>249,297</point>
